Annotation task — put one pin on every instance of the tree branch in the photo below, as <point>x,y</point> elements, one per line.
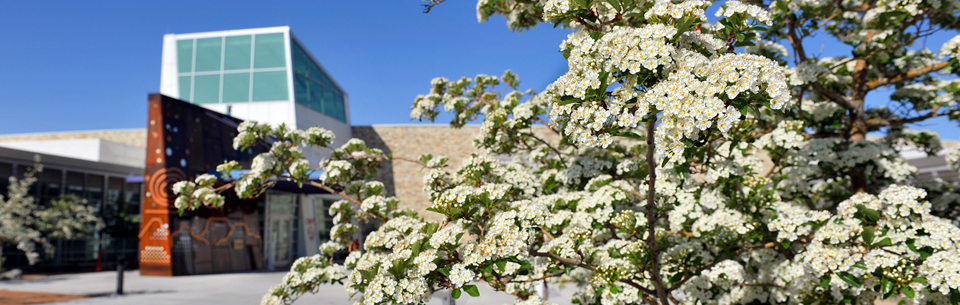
<point>429,6</point>
<point>906,75</point>
<point>652,214</point>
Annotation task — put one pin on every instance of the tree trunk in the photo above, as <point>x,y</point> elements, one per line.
<point>858,122</point>
<point>858,132</point>
<point>651,215</point>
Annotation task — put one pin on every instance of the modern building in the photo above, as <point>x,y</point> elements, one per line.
<point>104,168</point>
<point>262,74</point>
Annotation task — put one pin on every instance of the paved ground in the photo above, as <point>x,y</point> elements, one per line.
<point>236,288</point>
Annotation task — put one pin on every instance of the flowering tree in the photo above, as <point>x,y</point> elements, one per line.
<point>28,224</point>
<point>692,162</point>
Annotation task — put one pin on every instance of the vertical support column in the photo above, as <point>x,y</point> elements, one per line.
<point>157,203</point>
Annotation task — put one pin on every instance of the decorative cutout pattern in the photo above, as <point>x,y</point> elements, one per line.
<point>154,255</point>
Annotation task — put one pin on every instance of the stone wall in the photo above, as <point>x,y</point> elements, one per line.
<point>134,137</point>
<point>404,179</point>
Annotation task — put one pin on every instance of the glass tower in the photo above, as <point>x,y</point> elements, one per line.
<point>262,74</point>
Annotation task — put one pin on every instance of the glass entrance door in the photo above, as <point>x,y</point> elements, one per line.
<point>280,228</point>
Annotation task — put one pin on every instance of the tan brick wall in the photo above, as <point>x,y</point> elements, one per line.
<point>404,179</point>
<point>135,137</point>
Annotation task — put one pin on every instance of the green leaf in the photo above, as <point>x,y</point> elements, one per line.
<point>782,5</point>
<point>860,265</point>
<point>919,279</point>
<point>850,279</point>
<point>366,274</point>
<point>676,277</point>
<point>868,233</point>
<point>415,248</point>
<point>886,287</point>
<point>471,290</point>
<point>954,297</point>
<point>825,281</point>
<point>883,243</point>
<point>568,100</point>
<point>596,35</point>
<point>501,265</point>
<point>908,291</point>
<point>455,293</point>
<point>870,214</point>
<point>566,53</point>
<point>616,5</point>
<point>615,289</point>
<point>685,24</point>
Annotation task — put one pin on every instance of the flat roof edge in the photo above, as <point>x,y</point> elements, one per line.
<point>274,29</point>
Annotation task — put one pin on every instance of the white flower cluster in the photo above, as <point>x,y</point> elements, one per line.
<point>794,221</point>
<point>942,270</point>
<point>553,8</point>
<point>461,195</point>
<point>190,195</point>
<point>820,110</point>
<point>668,9</point>
<point>690,105</point>
<point>951,48</point>
<point>736,7</point>
<point>806,72</point>
<point>952,157</point>
<point>336,170</point>
<point>305,273</point>
<point>786,135</point>
<point>767,46</point>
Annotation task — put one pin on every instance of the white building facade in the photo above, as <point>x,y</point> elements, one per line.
<point>261,74</point>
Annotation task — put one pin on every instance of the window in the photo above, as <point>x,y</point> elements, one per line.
<point>270,86</point>
<point>207,89</point>
<point>51,180</point>
<point>269,52</point>
<point>185,93</point>
<point>6,170</point>
<point>185,56</point>
<point>208,54</point>
<point>94,191</point>
<point>75,183</point>
<point>313,88</point>
<point>233,69</point>
<point>236,87</point>
<point>236,53</point>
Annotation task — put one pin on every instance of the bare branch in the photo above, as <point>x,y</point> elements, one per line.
<point>907,75</point>
<point>429,6</point>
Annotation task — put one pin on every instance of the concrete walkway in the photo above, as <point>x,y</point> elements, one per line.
<point>235,288</point>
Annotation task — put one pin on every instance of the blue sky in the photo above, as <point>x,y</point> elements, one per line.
<point>72,65</point>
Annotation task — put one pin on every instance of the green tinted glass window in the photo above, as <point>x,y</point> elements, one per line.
<point>270,86</point>
<point>236,87</point>
<point>185,56</point>
<point>208,54</point>
<point>206,89</point>
<point>301,90</point>
<point>269,51</point>
<point>316,97</point>
<point>340,113</point>
<point>185,88</point>
<point>329,100</point>
<point>236,53</point>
